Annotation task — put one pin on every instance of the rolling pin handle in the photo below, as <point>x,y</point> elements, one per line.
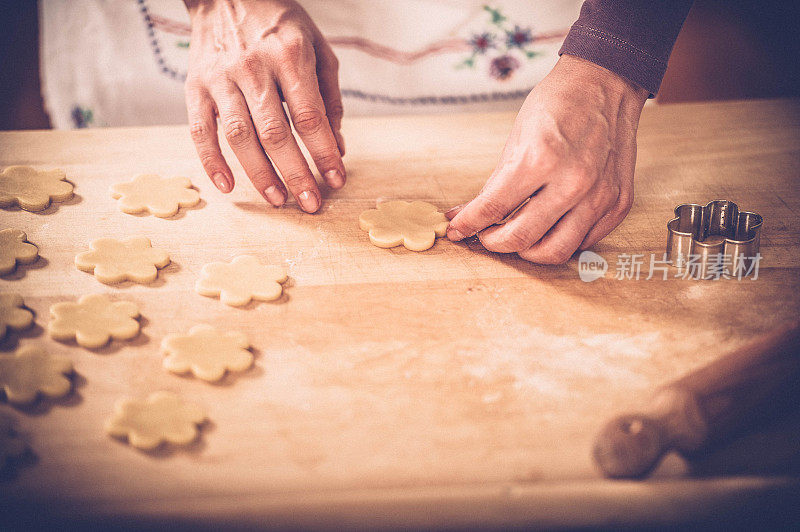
<point>631,446</point>
<point>706,406</point>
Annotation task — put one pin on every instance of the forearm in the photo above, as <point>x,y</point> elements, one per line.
<point>632,38</point>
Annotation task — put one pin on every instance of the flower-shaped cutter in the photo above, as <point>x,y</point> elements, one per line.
<point>705,234</point>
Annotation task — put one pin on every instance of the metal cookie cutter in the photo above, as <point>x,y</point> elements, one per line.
<point>703,237</point>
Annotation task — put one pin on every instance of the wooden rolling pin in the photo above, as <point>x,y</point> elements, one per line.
<point>706,406</point>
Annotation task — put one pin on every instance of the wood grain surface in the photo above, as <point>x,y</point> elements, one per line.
<point>392,387</point>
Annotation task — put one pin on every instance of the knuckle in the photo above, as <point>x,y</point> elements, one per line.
<point>552,145</point>
<point>490,209</point>
<point>546,159</point>
<point>335,110</point>
<point>228,68</point>
<point>492,246</point>
<point>492,242</point>
<point>625,202</point>
<point>293,46</point>
<point>559,254</point>
<point>209,160</point>
<point>623,207</point>
<point>237,131</point>
<point>200,131</point>
<point>603,198</point>
<point>518,239</point>
<point>250,65</point>
<point>274,133</point>
<point>577,185</point>
<point>261,177</point>
<point>549,254</point>
<point>308,120</point>
<point>621,214</point>
<point>328,160</point>
<point>298,180</point>
<point>608,188</point>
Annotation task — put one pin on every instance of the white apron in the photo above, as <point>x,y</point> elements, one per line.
<point>123,62</point>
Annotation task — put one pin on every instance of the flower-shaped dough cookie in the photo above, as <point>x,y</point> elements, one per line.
<point>114,261</point>
<point>93,320</point>
<point>163,416</point>
<point>30,371</point>
<point>11,445</point>
<point>32,189</point>
<point>13,314</point>
<point>14,249</point>
<point>207,352</point>
<point>157,195</point>
<point>414,225</point>
<point>240,281</point>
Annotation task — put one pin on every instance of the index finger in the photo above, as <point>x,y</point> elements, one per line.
<point>203,130</point>
<point>501,196</point>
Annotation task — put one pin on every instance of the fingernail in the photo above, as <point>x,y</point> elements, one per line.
<point>453,234</point>
<point>275,196</point>
<point>452,212</point>
<point>221,182</point>
<point>334,178</point>
<point>309,201</point>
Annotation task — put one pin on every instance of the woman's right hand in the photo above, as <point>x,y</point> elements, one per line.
<point>246,58</point>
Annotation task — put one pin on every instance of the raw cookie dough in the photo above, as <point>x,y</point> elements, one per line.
<point>157,195</point>
<point>163,416</point>
<point>15,249</point>
<point>240,281</point>
<point>32,189</point>
<point>114,261</point>
<point>93,320</point>
<point>414,225</point>
<point>30,371</point>
<point>11,445</point>
<point>13,314</point>
<point>206,352</point>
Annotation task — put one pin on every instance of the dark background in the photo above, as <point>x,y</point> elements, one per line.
<point>728,49</point>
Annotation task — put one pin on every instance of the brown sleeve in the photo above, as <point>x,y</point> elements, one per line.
<point>632,38</point>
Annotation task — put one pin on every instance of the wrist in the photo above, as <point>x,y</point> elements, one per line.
<point>609,83</point>
<point>195,6</point>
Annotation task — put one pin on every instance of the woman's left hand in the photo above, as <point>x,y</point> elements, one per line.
<point>573,148</point>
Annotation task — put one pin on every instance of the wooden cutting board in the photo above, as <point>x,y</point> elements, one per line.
<point>394,387</point>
